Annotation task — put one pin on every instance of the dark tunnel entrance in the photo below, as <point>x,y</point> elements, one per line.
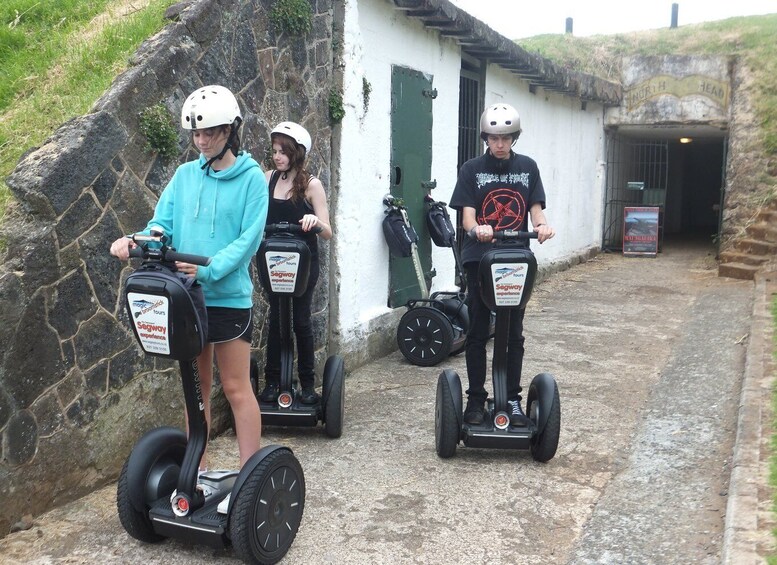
<point>679,170</point>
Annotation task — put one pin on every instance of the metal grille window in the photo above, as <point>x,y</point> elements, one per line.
<point>469,118</point>
<point>637,175</point>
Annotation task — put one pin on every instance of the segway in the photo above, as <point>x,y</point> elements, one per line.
<point>435,326</point>
<point>158,493</point>
<point>507,273</point>
<point>283,262</point>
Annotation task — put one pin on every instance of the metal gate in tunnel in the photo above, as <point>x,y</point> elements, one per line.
<point>637,175</point>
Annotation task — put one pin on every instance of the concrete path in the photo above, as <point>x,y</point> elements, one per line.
<point>650,356</point>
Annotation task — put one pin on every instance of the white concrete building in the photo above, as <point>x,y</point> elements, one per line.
<point>389,48</point>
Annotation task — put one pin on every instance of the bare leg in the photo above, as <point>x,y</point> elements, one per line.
<point>233,358</point>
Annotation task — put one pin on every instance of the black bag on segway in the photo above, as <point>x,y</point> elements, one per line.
<point>400,236</point>
<point>168,312</point>
<point>440,226</point>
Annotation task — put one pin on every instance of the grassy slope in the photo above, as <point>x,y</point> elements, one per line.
<point>56,59</point>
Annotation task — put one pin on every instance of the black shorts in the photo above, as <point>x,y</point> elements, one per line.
<point>226,324</point>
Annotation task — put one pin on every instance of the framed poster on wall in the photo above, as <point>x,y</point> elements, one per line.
<point>640,231</point>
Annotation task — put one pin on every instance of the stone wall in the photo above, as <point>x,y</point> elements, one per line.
<point>75,392</point>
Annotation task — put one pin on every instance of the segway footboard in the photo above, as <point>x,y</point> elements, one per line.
<point>489,437</point>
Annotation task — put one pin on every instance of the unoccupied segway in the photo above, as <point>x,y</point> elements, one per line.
<point>283,262</point>
<point>507,274</point>
<point>435,326</point>
<point>158,494</point>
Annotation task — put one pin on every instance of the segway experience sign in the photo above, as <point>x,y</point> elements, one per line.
<point>509,282</point>
<point>149,315</point>
<point>640,231</point>
<point>282,267</point>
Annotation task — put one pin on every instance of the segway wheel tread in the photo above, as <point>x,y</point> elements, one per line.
<point>545,442</point>
<point>424,336</point>
<point>334,396</point>
<point>446,422</point>
<point>267,512</point>
<point>148,474</point>
<point>136,524</point>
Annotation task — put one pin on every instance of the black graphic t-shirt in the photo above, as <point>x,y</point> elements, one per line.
<point>501,191</point>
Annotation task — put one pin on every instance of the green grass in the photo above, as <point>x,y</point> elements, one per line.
<point>56,60</point>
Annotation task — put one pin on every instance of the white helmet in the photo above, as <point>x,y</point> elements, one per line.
<point>500,119</point>
<point>208,107</point>
<point>296,132</point>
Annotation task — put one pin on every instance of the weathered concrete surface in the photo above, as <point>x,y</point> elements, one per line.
<point>649,355</point>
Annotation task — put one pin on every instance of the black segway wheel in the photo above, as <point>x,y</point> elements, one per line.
<point>333,393</point>
<point>424,336</point>
<point>265,515</point>
<point>544,408</point>
<point>447,414</point>
<point>149,473</point>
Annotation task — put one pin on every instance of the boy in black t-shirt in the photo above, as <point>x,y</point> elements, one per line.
<point>497,191</point>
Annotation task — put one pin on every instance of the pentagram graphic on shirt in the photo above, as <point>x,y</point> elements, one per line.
<point>503,209</point>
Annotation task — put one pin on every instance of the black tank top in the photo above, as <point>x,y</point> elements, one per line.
<point>280,210</point>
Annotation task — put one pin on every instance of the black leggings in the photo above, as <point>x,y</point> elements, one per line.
<point>303,332</point>
<point>477,337</point>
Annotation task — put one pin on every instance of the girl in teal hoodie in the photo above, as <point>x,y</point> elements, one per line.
<point>217,206</point>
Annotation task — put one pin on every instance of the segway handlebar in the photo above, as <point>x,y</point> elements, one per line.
<point>286,227</point>
<point>163,253</point>
<point>508,234</point>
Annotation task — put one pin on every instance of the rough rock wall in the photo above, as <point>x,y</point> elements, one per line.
<point>75,392</point>
<point>749,174</point>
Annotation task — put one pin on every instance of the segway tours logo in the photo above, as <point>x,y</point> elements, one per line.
<point>509,282</point>
<point>149,315</point>
<point>503,209</point>
<point>282,270</point>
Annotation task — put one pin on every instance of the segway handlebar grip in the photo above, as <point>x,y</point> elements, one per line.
<point>286,227</point>
<point>171,255</point>
<point>507,234</point>
<point>167,254</point>
<point>510,234</point>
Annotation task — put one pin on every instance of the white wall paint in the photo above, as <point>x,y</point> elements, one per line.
<point>568,145</point>
<point>566,142</point>
<point>377,36</point>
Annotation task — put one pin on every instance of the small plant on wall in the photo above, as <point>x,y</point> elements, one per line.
<point>295,17</point>
<point>336,109</point>
<point>159,128</point>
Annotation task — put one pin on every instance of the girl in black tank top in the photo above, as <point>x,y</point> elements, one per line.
<point>296,197</point>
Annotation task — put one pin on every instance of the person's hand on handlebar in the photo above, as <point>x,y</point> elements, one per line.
<point>484,233</point>
<point>308,222</point>
<point>121,248</point>
<point>186,268</point>
<point>544,232</point>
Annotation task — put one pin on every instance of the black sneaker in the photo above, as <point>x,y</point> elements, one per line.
<point>309,396</point>
<point>475,412</point>
<point>517,417</point>
<point>270,393</point>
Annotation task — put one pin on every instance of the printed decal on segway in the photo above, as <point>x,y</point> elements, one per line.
<point>509,282</point>
<point>150,314</point>
<point>282,268</point>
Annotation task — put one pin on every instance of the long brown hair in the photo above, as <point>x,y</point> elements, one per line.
<point>296,155</point>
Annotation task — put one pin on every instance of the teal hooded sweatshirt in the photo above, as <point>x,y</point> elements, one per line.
<point>219,214</point>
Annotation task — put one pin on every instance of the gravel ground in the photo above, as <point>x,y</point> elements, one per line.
<point>649,355</point>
